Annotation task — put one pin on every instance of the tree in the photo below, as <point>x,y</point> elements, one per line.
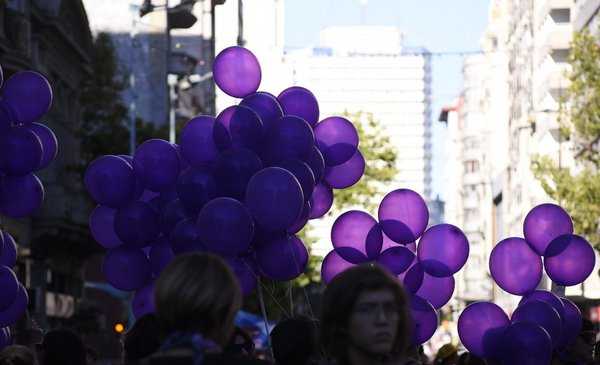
<point>578,192</point>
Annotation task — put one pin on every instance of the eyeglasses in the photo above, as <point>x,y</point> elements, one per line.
<point>588,337</point>
<point>372,310</point>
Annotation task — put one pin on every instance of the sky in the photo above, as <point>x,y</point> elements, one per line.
<point>449,28</point>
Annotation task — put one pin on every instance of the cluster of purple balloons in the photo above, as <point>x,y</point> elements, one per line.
<point>542,321</point>
<point>426,270</point>
<point>25,147</point>
<point>240,185</point>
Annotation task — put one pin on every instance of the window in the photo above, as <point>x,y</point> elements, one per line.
<point>561,15</point>
<point>471,166</point>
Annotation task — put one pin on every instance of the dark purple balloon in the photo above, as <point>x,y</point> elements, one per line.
<point>403,215</point>
<point>436,290</point>
<point>9,285</point>
<point>514,266</point>
<point>238,126</point>
<point>302,220</point>
<point>282,259</point>
<point>28,96</point>
<point>480,328</point>
<point>542,314</point>
<point>526,343</point>
<point>356,236</point>
<point>143,300</point>
<point>337,139</point>
<point>16,309</point>
<point>569,259</point>
<point>246,270</point>
<point>317,164</point>
<point>547,297</point>
<point>102,227</point>
<point>110,181</point>
<point>136,224</point>
<point>171,215</point>
<point>6,121</point>
<point>274,198</point>
<point>290,137</point>
<point>571,323</point>
<point>396,259</point>
<point>226,227</point>
<point>237,71</point>
<point>233,169</point>
<point>346,174</point>
<point>300,102</point>
<point>4,337</point>
<point>160,255</point>
<point>20,196</point>
<point>49,143</point>
<point>196,140</point>
<point>412,278</point>
<point>20,151</point>
<point>8,257</point>
<point>321,200</point>
<point>186,237</point>
<point>126,268</point>
<point>387,243</point>
<point>544,223</point>
<point>302,172</point>
<point>196,187</point>
<point>156,164</point>
<point>332,265</point>
<point>443,250</point>
<point>266,106</point>
<point>424,318</point>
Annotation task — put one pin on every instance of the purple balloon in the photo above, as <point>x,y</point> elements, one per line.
<point>540,313</point>
<point>9,286</point>
<point>480,328</point>
<point>20,151</point>
<point>388,243</point>
<point>300,102</point>
<point>239,127</point>
<point>196,140</point>
<point>274,198</point>
<point>302,220</point>
<point>4,337</point>
<point>317,164</point>
<point>337,139</point>
<point>196,187</point>
<point>424,318</point>
<point>16,309</point>
<point>8,256</point>
<point>102,227</point>
<point>136,224</point>
<point>321,200</point>
<point>282,259</point>
<point>356,236</point>
<point>171,215</point>
<point>237,72</point>
<point>226,227</point>
<point>403,215</point>
<point>396,259</point>
<point>443,250</point>
<point>346,174</point>
<point>266,106</point>
<point>186,237</point>
<point>6,121</point>
<point>569,259</point>
<point>436,290</point>
<point>156,164</point>
<point>28,96</point>
<point>49,143</point>
<point>544,223</point>
<point>110,181</point>
<point>290,137</point>
<point>126,268</point>
<point>526,343</point>
<point>412,278</point>
<point>332,265</point>
<point>20,196</point>
<point>143,300</point>
<point>514,266</point>
<point>547,297</point>
<point>160,255</point>
<point>571,323</point>
<point>233,169</point>
<point>302,172</point>
<point>246,270</point>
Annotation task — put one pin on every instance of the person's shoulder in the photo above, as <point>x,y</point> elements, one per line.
<point>233,359</point>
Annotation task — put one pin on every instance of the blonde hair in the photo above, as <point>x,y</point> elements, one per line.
<point>197,292</point>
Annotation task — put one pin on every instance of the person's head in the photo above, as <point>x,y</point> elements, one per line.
<point>364,309</point>
<point>142,339</point>
<point>240,343</point>
<point>62,346</point>
<point>583,346</point>
<point>17,355</point>
<point>91,355</point>
<point>467,358</point>
<point>446,355</point>
<point>294,341</point>
<point>198,292</point>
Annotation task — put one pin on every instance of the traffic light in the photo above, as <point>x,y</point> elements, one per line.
<point>119,327</point>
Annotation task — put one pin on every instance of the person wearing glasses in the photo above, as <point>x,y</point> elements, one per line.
<point>581,350</point>
<point>365,318</point>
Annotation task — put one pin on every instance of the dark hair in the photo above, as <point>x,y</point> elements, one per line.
<point>468,358</point>
<point>91,353</point>
<point>294,340</point>
<point>144,338</point>
<point>17,355</point>
<point>63,346</point>
<point>338,301</point>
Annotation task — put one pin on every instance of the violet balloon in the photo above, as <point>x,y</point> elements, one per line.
<point>20,196</point>
<point>403,215</point>
<point>160,255</point>
<point>196,187</point>
<point>387,243</point>
<point>4,337</point>
<point>126,268</point>
<point>332,265</point>
<point>525,343</point>
<point>412,278</point>
<point>436,290</point>
<point>8,256</point>
<point>237,72</point>
<point>547,297</point>
<point>136,224</point>
<point>337,139</point>
<point>356,236</point>
<point>156,164</point>
<point>302,172</point>
<point>571,323</point>
<point>317,164</point>
<point>171,215</point>
<point>302,220</point>
<point>321,200</point>
<point>143,300</point>
<point>233,169</point>
<point>266,106</point>
<point>49,143</point>
<point>424,318</point>
<point>396,259</point>
<point>544,223</point>
<point>28,96</point>
<point>246,270</point>
<point>186,237</point>
<point>16,309</point>
<point>514,266</point>
<point>346,174</point>
<point>300,102</point>
<point>569,259</point>
<point>290,137</point>
<point>110,181</point>
<point>480,328</point>
<point>282,259</point>
<point>196,140</point>
<point>20,151</point>
<point>238,126</point>
<point>9,286</point>
<point>102,227</point>
<point>443,250</point>
<point>542,314</point>
<point>6,121</point>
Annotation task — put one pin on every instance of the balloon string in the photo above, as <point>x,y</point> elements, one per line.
<point>261,285</point>
<point>312,315</point>
<point>291,297</point>
<point>264,313</point>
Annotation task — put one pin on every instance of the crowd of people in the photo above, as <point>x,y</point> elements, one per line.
<point>364,319</point>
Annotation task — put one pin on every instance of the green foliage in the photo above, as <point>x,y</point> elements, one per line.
<point>579,117</point>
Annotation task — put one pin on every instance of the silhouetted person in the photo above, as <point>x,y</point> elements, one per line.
<point>294,341</point>
<point>60,347</point>
<point>446,355</point>
<point>240,343</point>
<point>143,339</point>
<point>581,349</point>
<point>468,358</point>
<point>17,355</point>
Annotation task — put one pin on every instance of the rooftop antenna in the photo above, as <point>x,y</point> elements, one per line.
<point>363,11</point>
